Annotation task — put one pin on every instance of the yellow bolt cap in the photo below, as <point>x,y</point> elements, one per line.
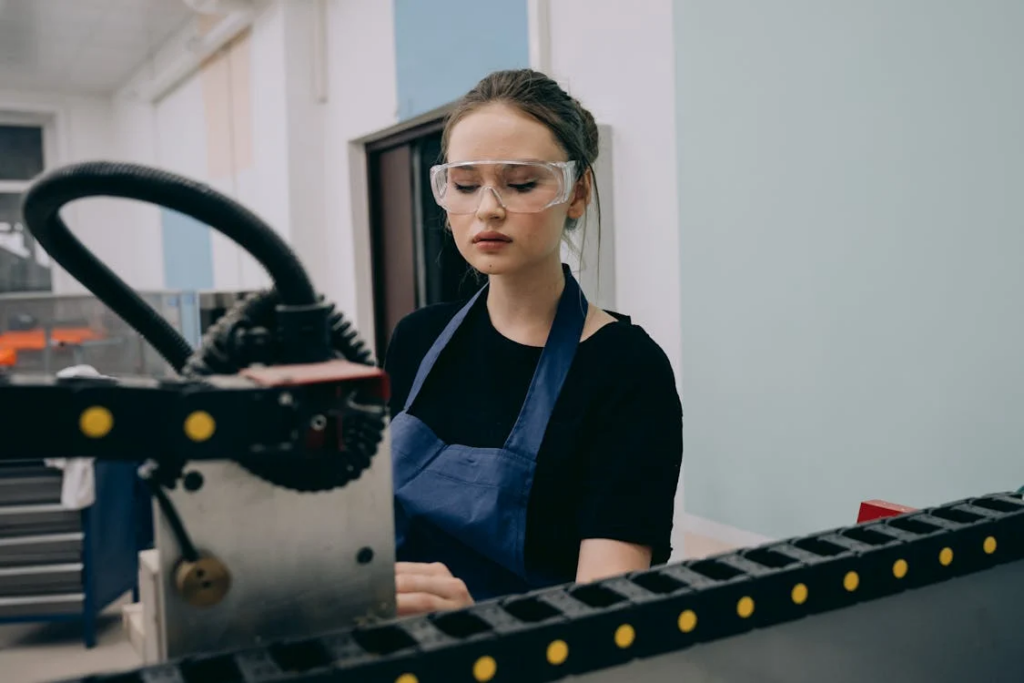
<point>558,652</point>
<point>899,568</point>
<point>624,636</point>
<point>200,426</point>
<point>687,621</point>
<point>96,422</point>
<point>485,669</point>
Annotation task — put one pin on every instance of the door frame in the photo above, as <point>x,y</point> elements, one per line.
<point>362,191</point>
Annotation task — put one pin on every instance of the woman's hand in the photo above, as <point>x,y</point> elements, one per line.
<point>423,588</point>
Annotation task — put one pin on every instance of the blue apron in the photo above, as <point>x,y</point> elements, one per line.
<point>466,507</point>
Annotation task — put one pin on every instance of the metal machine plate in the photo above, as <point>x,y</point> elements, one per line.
<point>298,562</point>
<point>967,629</point>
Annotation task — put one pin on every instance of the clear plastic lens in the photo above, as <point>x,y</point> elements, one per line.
<point>520,186</point>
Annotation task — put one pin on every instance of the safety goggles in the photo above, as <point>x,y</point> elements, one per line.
<point>519,186</point>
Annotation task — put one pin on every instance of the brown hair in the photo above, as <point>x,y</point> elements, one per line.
<point>538,96</point>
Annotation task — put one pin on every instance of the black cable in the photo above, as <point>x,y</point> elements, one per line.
<point>188,550</point>
<point>48,194</point>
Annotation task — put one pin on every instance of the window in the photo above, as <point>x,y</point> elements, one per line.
<point>24,266</point>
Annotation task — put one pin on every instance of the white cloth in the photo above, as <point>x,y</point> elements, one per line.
<point>78,487</point>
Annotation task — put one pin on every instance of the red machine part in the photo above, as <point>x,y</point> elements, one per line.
<point>877,509</point>
<point>338,372</point>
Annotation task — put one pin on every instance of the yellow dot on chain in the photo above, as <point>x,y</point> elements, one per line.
<point>624,636</point>
<point>899,568</point>
<point>200,426</point>
<point>558,652</point>
<point>745,607</point>
<point>989,545</point>
<point>946,557</point>
<point>407,678</point>
<point>799,594</point>
<point>96,422</point>
<point>851,581</point>
<point>485,669</point>
<point>687,621</point>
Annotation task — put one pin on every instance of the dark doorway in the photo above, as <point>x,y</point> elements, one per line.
<point>415,260</point>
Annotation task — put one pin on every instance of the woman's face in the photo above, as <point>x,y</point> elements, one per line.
<point>492,239</point>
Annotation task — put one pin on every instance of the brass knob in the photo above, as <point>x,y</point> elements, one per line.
<point>202,583</point>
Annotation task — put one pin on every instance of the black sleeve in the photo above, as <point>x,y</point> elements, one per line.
<point>409,343</point>
<point>397,363</point>
<point>637,450</point>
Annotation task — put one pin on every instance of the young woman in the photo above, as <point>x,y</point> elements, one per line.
<point>536,439</point>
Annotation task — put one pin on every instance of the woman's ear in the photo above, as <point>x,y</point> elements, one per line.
<point>581,196</point>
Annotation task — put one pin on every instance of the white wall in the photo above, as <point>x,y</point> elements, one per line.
<point>297,176</point>
<point>84,129</point>
<point>138,241</point>
<point>851,224</point>
<point>362,101</point>
<point>620,65</point>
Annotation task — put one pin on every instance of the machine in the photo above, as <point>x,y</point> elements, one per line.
<point>268,462</point>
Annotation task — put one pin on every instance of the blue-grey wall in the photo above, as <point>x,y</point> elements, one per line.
<point>443,47</point>
<point>187,250</point>
<point>852,229</point>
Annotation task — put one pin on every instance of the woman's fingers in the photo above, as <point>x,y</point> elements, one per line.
<point>430,569</point>
<point>421,603</point>
<point>423,588</point>
<point>447,587</point>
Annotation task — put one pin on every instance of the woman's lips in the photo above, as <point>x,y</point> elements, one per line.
<point>491,241</point>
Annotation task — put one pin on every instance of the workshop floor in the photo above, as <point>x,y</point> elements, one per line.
<point>42,653</point>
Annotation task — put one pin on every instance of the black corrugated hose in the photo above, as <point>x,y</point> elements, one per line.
<point>288,324</point>
<point>48,194</point>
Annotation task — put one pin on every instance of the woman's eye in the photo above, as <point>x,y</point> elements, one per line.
<point>523,187</point>
<point>468,189</point>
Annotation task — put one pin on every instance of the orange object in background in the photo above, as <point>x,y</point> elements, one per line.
<point>877,509</point>
<point>8,357</point>
<point>35,340</point>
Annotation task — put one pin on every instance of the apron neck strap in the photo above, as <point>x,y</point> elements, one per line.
<point>552,369</point>
<point>438,346</point>
<point>555,360</point>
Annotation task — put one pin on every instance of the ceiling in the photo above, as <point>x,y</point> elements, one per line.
<point>82,46</point>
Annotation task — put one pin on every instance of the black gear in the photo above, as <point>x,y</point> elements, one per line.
<point>242,337</point>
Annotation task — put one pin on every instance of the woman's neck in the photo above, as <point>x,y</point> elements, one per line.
<point>522,305</point>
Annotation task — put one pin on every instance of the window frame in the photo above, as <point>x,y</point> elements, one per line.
<point>46,119</point>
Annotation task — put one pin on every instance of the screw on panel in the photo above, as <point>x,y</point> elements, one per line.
<point>193,481</point>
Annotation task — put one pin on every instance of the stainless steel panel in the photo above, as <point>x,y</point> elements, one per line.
<point>41,605</point>
<point>966,629</point>
<point>25,520</point>
<point>40,579</point>
<point>47,549</point>
<point>292,557</point>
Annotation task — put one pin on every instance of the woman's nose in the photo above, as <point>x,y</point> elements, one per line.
<point>490,204</point>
